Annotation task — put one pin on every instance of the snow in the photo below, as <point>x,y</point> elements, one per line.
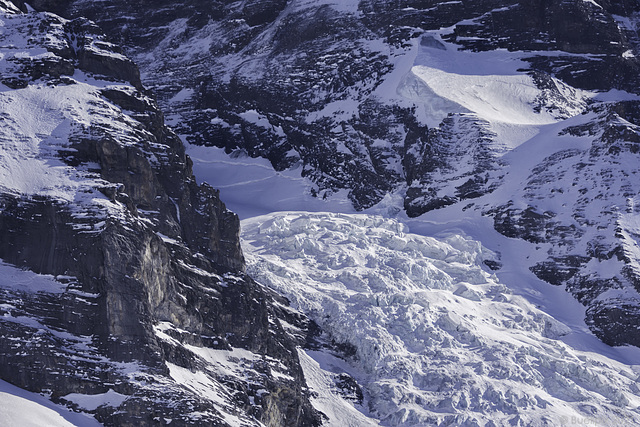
<point>221,368</point>
<point>320,382</point>
<point>345,6</point>
<point>439,79</point>
<point>495,98</point>
<point>9,6</point>
<point>17,279</point>
<point>41,120</point>
<point>252,116</point>
<point>251,187</point>
<point>208,388</point>
<point>37,119</point>
<point>38,122</point>
<point>198,382</point>
<point>438,336</point>
<point>91,402</point>
<point>341,110</point>
<point>182,96</point>
<point>593,3</point>
<point>19,407</point>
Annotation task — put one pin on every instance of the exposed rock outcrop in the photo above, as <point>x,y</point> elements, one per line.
<point>148,298</point>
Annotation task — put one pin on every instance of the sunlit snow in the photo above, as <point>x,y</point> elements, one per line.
<point>19,407</point>
<point>252,187</point>
<point>91,402</point>
<point>439,337</point>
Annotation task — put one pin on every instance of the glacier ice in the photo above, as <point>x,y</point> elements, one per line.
<point>438,338</point>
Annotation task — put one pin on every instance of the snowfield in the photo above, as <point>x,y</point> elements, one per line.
<point>438,337</point>
<point>22,408</point>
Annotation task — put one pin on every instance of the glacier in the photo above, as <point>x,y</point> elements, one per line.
<point>439,339</point>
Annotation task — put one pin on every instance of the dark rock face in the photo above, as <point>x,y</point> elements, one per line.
<point>455,163</point>
<point>614,322</point>
<point>145,265</point>
<point>278,80</point>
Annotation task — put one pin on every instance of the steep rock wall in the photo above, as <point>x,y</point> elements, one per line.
<point>145,269</point>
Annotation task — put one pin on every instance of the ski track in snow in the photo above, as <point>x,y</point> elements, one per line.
<point>250,187</point>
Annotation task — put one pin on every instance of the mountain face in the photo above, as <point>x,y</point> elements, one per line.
<point>426,102</point>
<point>303,81</point>
<point>125,292</point>
<point>140,300</point>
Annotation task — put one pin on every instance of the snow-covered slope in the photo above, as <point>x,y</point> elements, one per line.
<point>435,337</point>
<point>40,121</point>
<point>21,408</point>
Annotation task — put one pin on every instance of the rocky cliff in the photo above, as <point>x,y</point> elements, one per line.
<point>381,98</point>
<point>142,303</point>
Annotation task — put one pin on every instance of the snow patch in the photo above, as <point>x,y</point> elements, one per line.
<point>91,402</point>
<point>19,407</point>
<point>320,381</point>
<point>17,279</point>
<point>252,116</point>
<point>593,3</point>
<point>494,98</point>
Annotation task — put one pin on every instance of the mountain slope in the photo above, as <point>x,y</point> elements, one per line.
<point>136,308</point>
<point>419,106</point>
<point>316,82</point>
<point>18,407</point>
<point>513,124</point>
